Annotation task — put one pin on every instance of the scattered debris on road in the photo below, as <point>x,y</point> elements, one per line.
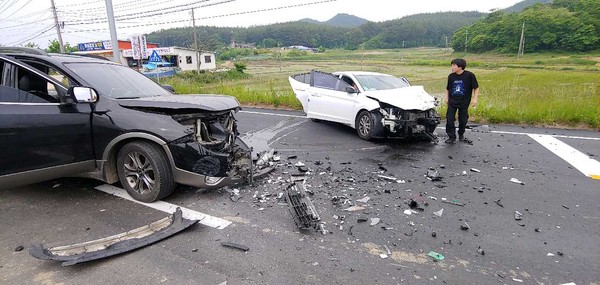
<point>518,216</point>
<point>235,245</point>
<point>436,256</point>
<point>515,180</point>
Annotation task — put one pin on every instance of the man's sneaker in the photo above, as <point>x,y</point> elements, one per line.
<point>450,140</point>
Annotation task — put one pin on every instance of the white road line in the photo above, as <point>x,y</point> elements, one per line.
<point>556,136</point>
<point>189,214</point>
<point>588,166</point>
<point>273,114</point>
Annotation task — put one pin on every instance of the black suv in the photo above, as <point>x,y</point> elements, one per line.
<point>68,115</point>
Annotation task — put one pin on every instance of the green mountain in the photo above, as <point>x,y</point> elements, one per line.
<point>339,20</point>
<point>524,4</point>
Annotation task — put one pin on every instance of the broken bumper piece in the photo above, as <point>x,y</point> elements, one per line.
<point>301,208</point>
<point>116,244</point>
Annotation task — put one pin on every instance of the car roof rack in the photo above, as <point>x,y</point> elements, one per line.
<point>23,50</point>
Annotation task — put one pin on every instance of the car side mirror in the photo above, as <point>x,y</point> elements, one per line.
<point>83,94</point>
<point>351,89</point>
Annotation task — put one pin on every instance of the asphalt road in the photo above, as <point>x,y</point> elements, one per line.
<point>556,241</point>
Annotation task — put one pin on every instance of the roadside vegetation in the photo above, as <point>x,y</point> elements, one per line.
<point>551,89</point>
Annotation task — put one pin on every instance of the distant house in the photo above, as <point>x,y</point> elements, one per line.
<point>303,48</point>
<point>184,58</point>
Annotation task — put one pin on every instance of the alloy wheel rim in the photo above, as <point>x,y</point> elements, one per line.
<point>139,173</point>
<point>364,125</point>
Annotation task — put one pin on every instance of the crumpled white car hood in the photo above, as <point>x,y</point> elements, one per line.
<point>407,98</point>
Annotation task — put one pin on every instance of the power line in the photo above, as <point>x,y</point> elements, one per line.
<point>33,37</point>
<point>26,23</point>
<point>148,13</point>
<point>213,17</point>
<point>7,17</point>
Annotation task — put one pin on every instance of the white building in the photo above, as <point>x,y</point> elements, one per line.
<point>184,58</point>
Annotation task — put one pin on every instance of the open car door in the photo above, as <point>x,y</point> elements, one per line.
<point>325,96</point>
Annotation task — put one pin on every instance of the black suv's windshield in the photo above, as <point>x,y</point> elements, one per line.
<point>116,81</point>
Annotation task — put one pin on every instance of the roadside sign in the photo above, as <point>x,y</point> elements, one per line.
<point>135,47</point>
<point>155,57</point>
<point>143,47</point>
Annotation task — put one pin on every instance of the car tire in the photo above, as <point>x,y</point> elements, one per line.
<point>368,125</point>
<point>315,120</point>
<point>144,171</point>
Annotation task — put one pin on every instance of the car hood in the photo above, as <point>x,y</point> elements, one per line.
<point>203,102</point>
<point>407,98</point>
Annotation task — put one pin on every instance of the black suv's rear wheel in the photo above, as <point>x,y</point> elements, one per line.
<point>144,171</point>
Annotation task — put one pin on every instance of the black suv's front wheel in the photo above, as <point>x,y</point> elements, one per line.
<point>144,171</point>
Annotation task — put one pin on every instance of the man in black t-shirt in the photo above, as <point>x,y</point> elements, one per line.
<point>462,89</point>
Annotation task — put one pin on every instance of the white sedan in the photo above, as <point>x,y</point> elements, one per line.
<point>375,104</point>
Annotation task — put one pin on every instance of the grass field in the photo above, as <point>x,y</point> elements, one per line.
<point>542,89</point>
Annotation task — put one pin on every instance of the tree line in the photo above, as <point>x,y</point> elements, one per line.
<point>433,29</point>
<point>563,25</point>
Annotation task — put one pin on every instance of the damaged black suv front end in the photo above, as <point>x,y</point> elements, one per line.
<point>211,148</point>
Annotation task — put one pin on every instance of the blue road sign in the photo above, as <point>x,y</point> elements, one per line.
<point>155,57</point>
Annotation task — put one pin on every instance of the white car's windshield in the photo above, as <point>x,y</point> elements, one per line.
<point>117,81</point>
<point>372,82</point>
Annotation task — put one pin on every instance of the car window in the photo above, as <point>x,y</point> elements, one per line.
<point>29,88</point>
<point>372,82</point>
<point>328,81</point>
<point>116,81</point>
<point>56,74</point>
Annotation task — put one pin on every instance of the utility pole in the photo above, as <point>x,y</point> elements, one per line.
<point>196,43</point>
<point>60,42</point>
<point>466,39</point>
<point>113,32</point>
<point>522,42</point>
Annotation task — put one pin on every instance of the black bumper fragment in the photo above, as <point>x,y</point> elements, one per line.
<point>116,244</point>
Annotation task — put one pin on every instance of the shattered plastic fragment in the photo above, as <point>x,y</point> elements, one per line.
<point>439,213</point>
<point>364,200</point>
<point>391,178</point>
<point>436,256</point>
<point>374,221</point>
<point>387,249</point>
<point>453,202</point>
<point>480,250</point>
<point>354,208</point>
<point>518,216</point>
<point>433,175</point>
<point>383,255</point>
<point>517,280</point>
<point>465,226</point>
<point>515,180</point>
<point>235,245</point>
<point>475,170</point>
<point>408,212</point>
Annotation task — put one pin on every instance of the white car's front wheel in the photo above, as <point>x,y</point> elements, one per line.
<point>368,125</point>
